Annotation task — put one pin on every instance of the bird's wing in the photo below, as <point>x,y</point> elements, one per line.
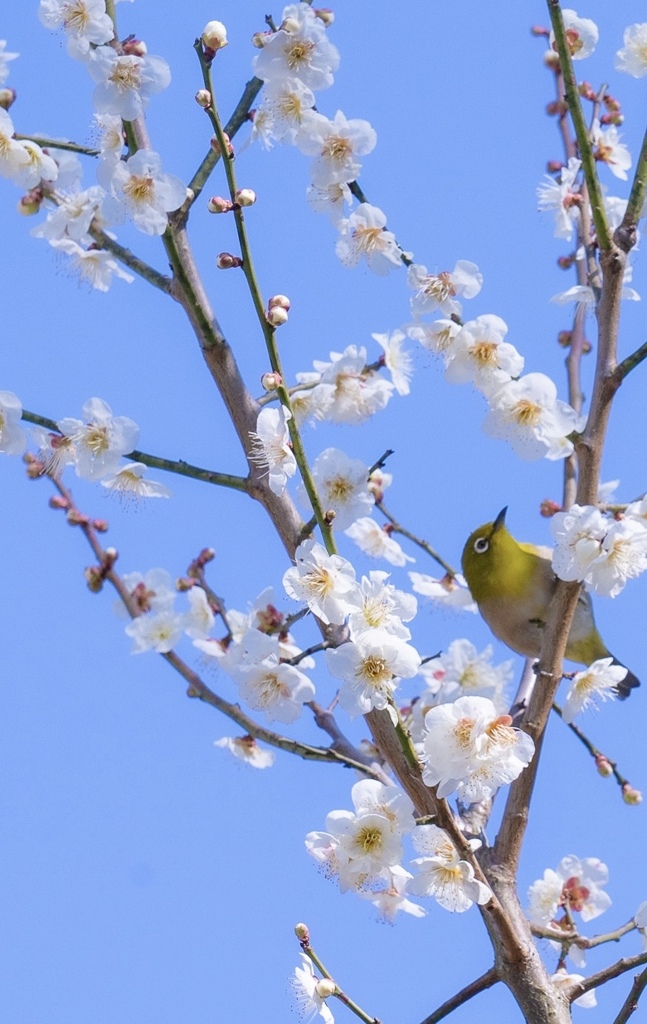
<point>538,549</point>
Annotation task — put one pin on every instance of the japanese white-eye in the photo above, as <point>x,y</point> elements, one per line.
<point>513,585</point>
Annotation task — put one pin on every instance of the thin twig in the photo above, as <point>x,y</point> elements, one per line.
<point>46,143</point>
<point>397,527</point>
<point>631,362</point>
<point>479,985</point>
<point>606,974</point>
<point>592,749</point>
<point>630,1004</point>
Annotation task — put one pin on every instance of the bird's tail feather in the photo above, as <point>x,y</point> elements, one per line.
<point>629,683</point>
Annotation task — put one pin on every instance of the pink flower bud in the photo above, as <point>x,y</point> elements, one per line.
<point>279,300</point>
<point>325,14</point>
<point>203,98</point>
<point>100,525</point>
<point>630,795</point>
<point>94,578</point>
<point>206,555</point>
<point>7,97</point>
<point>277,316</point>
<point>226,260</point>
<point>58,501</point>
<point>183,584</point>
<point>76,518</point>
<point>132,47</point>
<point>270,381</point>
<point>30,203</point>
<point>215,145</point>
<point>218,204</point>
<point>551,60</point>
<point>539,30</point>
<point>549,508</point>
<point>245,197</point>
<point>214,36</point>
<point>553,166</point>
<point>603,765</point>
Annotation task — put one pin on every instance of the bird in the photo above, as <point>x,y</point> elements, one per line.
<point>513,584</point>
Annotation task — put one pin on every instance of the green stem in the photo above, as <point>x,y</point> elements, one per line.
<point>581,132</point>
<point>626,235</point>
<point>631,362</point>
<point>46,143</point>
<point>209,476</point>
<point>134,263</point>
<point>338,993</point>
<point>267,330</point>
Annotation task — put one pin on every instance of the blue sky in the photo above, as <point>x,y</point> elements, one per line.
<point>147,875</point>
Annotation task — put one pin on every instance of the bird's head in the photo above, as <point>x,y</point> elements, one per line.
<point>487,556</point>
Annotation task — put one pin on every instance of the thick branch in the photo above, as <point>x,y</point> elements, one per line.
<point>485,981</point>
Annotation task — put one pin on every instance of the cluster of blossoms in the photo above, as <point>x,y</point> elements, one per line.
<point>362,850</point>
<point>602,551</point>
<point>576,886</point>
<point>94,445</point>
<point>158,626</point>
<point>461,671</point>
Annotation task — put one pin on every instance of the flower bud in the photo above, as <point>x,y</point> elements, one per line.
<point>549,508</point>
<point>302,932</point>
<point>206,555</point>
<point>564,338</point>
<point>556,107</point>
<point>245,197</point>
<point>615,119</point>
<point>183,584</point>
<point>30,203</point>
<point>110,556</point>
<point>603,765</point>
<point>611,103</point>
<point>290,25</point>
<point>7,97</point>
<point>270,381</point>
<point>94,578</point>
<point>279,300</point>
<point>551,60</point>
<point>539,30</point>
<point>630,795</point>
<point>218,204</point>
<point>58,501</point>
<point>259,39</point>
<point>586,91</point>
<point>76,518</point>
<point>565,262</point>
<point>325,14</point>
<point>214,36</point>
<point>215,145</point>
<point>276,316</point>
<point>326,987</point>
<point>132,47</point>
<point>553,166</point>
<point>100,525</point>
<point>226,260</point>
<point>203,98</point>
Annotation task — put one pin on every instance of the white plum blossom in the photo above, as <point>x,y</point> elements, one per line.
<point>333,859</point>
<point>376,541</point>
<point>593,686</point>
<point>632,58</point>
<point>271,686</point>
<point>100,439</point>
<point>309,999</point>
<point>364,237</point>
<point>55,452</point>
<point>95,267</point>
<point>331,200</point>
<point>370,667</point>
<point>111,145</point>
<point>469,747</point>
<point>528,415</point>
<point>390,894</point>
<point>125,82</point>
<point>562,199</point>
<point>398,363</point>
<point>325,582</point>
<point>439,291</point>
<point>272,448</point>
<point>608,149</point>
<point>581,35</point>
<point>640,919</point>
<point>40,166</point>
<point>199,620</point>
<point>303,52</point>
<point>463,671</point>
<point>152,591</point>
<point>335,146</point>
<point>85,22</point>
<point>450,591</point>
<point>13,439</point>
<point>584,296</point>
<point>438,337</point>
<point>481,357</point>
<point>576,883</point>
<point>604,553</point>
<point>350,393</point>
<point>287,106</point>
<point>14,158</point>
<point>156,631</point>
<point>70,170</point>
<point>129,482</point>
<point>72,216</point>
<point>142,192</point>
<point>545,897</point>
<point>247,749</point>
<point>578,533</point>
<point>563,980</point>
<point>378,605</point>
<point>342,485</point>
<point>623,556</point>
<point>5,57</point>
<point>370,796</point>
<point>442,874</point>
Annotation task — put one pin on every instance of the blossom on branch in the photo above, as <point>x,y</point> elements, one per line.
<point>632,58</point>
<point>342,485</point>
<point>100,439</point>
<point>376,541</point>
<point>142,192</point>
<point>439,291</point>
<point>125,82</point>
<point>129,482</point>
<point>442,874</point>
<point>301,50</point>
<point>247,749</point>
<point>528,415</point>
<point>96,267</point>
<point>581,35</point>
<point>370,667</point>
<point>364,237</point>
<point>593,686</point>
<point>13,439</point>
<point>335,146</point>
<point>85,22</point>
<point>562,199</point>
<point>272,448</point>
<point>325,582</point>
<point>450,591</point>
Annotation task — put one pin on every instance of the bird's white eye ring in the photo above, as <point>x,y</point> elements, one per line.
<point>481,544</point>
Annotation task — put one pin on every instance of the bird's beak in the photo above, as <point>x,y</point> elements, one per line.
<point>500,520</point>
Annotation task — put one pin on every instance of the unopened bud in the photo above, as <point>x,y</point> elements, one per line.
<point>611,103</point>
<point>325,14</point>
<point>565,262</point>
<point>218,204</point>
<point>214,36</point>
<point>330,516</point>
<point>183,584</point>
<point>279,300</point>
<point>245,197</point>
<point>259,39</point>
<point>35,469</point>
<point>302,932</point>
<point>100,525</point>
<point>326,987</point>
<point>553,166</point>
<point>615,119</point>
<point>206,555</point>
<point>551,60</point>
<point>556,107</point>
<point>586,90</point>
<point>290,25</point>
<point>586,347</point>
<point>564,338</point>
<point>226,260</point>
<point>270,381</point>
<point>549,508</point>
<point>110,556</point>
<point>203,98</point>
<point>58,501</point>
<point>7,97</point>
<point>215,145</point>
<point>277,316</point>
<point>30,203</point>
<point>630,795</point>
<point>539,30</point>
<point>603,765</point>
<point>94,578</point>
<point>132,47</point>
<point>76,518</point>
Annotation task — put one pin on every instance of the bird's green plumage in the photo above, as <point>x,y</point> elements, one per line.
<point>513,584</point>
